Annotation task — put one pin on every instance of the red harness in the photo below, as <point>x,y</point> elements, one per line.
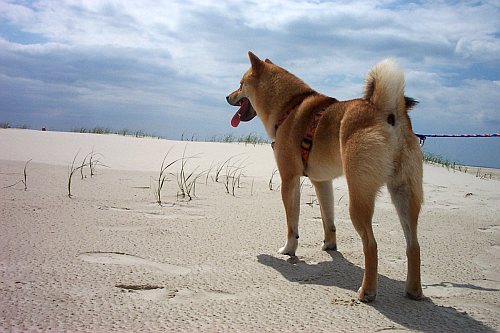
<point>307,141</point>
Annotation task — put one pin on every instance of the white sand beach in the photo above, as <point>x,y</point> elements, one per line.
<point>110,259</point>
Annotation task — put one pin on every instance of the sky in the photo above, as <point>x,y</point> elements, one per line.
<point>165,67</point>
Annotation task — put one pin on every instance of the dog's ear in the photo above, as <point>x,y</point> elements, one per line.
<point>269,61</point>
<point>256,63</point>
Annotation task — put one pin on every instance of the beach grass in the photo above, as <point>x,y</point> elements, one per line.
<point>271,184</point>
<point>162,176</point>
<point>251,138</point>
<point>72,170</point>
<point>6,124</point>
<point>233,175</point>
<point>440,160</point>
<point>187,180</point>
<point>23,181</point>
<point>91,160</point>
<point>122,132</point>
<point>94,159</point>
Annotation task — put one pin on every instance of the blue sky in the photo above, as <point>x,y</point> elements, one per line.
<point>165,67</point>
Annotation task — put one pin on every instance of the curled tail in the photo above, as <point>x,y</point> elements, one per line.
<point>384,88</point>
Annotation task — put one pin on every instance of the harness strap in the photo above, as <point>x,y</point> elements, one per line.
<point>307,141</point>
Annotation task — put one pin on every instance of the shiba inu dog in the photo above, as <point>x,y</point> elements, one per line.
<point>369,140</point>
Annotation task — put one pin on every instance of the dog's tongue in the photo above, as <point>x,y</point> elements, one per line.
<point>235,121</point>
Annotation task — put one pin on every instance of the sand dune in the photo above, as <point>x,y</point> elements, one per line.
<point>111,259</point>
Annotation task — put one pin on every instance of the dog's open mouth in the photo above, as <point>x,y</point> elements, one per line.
<point>244,113</point>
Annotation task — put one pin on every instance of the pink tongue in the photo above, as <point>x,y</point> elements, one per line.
<point>236,119</point>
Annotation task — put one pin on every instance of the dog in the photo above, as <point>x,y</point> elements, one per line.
<point>369,140</point>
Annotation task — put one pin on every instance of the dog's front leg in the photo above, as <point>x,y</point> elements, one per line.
<point>290,193</point>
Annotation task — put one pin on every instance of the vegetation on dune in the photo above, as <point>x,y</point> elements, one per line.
<point>251,138</point>
<point>6,124</point>
<point>107,130</point>
<point>437,159</point>
<point>233,173</point>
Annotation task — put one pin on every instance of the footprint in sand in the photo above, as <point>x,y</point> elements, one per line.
<point>488,262</point>
<point>147,292</point>
<point>184,295</point>
<point>124,228</point>
<point>490,229</point>
<point>155,213</point>
<point>118,258</point>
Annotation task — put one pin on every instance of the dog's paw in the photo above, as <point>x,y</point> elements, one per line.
<point>328,246</point>
<point>365,296</point>
<point>289,248</point>
<point>286,251</point>
<point>416,295</point>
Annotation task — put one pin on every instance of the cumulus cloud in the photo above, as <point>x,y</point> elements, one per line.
<point>178,59</point>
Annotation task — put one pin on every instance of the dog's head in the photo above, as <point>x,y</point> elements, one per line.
<point>246,95</point>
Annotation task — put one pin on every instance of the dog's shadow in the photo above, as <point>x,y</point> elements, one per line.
<point>339,272</point>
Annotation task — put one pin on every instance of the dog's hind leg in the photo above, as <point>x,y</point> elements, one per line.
<point>324,192</point>
<point>361,207</point>
<point>290,193</point>
<point>407,200</point>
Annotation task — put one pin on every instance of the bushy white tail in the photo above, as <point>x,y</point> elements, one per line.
<point>384,86</point>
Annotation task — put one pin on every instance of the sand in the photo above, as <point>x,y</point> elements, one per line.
<point>112,260</point>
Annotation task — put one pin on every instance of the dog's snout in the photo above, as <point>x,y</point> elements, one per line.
<point>227,98</point>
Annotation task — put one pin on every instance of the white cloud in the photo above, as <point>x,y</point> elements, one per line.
<point>485,49</point>
<point>16,14</point>
<point>187,55</point>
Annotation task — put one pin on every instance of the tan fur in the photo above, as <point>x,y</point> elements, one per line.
<point>354,138</point>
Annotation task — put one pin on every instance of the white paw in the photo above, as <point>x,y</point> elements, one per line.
<point>365,296</point>
<point>329,246</point>
<point>289,248</point>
